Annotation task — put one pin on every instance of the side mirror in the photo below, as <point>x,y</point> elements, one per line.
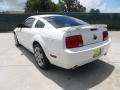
<point>21,25</point>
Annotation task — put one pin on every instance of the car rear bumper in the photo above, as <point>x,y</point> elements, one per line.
<point>83,55</point>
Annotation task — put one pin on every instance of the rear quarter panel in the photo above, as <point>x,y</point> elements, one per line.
<point>51,41</point>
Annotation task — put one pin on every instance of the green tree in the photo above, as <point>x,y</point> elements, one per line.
<point>40,6</point>
<point>71,6</point>
<point>94,11</point>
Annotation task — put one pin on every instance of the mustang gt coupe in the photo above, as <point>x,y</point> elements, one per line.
<point>62,40</point>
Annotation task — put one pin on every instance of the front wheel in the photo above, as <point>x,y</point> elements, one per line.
<point>40,57</point>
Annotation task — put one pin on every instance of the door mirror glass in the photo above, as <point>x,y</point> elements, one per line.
<point>20,25</point>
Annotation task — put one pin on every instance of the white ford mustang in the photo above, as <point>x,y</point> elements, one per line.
<point>62,40</point>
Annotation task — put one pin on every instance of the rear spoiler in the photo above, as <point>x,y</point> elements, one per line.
<point>93,26</point>
<point>101,25</point>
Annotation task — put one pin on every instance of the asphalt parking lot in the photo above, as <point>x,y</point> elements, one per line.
<point>18,70</point>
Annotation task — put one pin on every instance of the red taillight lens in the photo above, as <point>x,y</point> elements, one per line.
<point>74,41</point>
<point>105,35</point>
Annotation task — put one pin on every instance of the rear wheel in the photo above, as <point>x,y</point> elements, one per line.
<point>16,40</point>
<point>40,57</point>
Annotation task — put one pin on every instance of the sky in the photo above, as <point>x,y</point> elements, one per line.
<point>105,6</point>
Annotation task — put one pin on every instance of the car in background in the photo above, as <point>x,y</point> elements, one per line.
<point>62,40</point>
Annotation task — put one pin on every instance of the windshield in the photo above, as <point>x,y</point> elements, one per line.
<point>64,21</point>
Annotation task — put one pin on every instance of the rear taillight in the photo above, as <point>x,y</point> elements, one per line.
<point>105,35</point>
<point>74,41</point>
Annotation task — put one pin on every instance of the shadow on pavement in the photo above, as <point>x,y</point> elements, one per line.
<point>81,78</point>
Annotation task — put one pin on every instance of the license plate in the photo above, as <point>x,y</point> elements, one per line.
<point>97,52</point>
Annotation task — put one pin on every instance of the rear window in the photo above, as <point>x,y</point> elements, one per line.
<point>63,21</point>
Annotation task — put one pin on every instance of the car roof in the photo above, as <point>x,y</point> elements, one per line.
<point>46,15</point>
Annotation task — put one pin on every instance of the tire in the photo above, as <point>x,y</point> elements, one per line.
<point>40,57</point>
<point>16,40</point>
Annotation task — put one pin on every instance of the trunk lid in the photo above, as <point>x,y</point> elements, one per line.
<point>90,33</point>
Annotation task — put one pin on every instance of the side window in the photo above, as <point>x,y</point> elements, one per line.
<point>39,24</point>
<point>29,22</point>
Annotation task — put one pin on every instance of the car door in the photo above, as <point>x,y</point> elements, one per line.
<point>38,28</point>
<point>29,33</point>
<point>25,31</point>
